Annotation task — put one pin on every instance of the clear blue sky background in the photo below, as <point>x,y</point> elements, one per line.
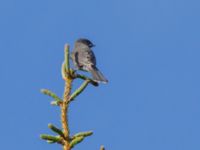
<point>148,49</point>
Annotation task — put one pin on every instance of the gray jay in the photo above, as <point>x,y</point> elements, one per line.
<point>84,59</point>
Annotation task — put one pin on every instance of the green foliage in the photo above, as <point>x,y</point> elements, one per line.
<point>51,139</point>
<point>76,141</point>
<point>79,90</point>
<point>84,134</point>
<point>56,130</point>
<point>51,94</point>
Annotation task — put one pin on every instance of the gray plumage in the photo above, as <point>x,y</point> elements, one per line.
<point>84,59</point>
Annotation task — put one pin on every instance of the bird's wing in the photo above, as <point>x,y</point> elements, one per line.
<point>86,58</point>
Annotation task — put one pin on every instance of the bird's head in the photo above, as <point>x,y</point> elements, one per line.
<point>85,42</point>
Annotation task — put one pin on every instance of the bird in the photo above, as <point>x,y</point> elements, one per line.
<point>84,59</point>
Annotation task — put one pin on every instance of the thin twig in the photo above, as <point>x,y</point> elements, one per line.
<point>52,139</point>
<point>79,90</point>
<point>64,106</point>
<point>85,78</point>
<point>64,112</point>
<point>102,147</point>
<point>56,130</point>
<point>67,58</point>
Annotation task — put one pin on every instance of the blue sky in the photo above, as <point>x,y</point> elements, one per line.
<point>148,49</point>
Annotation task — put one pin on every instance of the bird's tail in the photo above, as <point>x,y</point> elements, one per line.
<point>97,75</point>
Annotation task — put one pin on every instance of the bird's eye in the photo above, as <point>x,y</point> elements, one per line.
<point>91,45</point>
